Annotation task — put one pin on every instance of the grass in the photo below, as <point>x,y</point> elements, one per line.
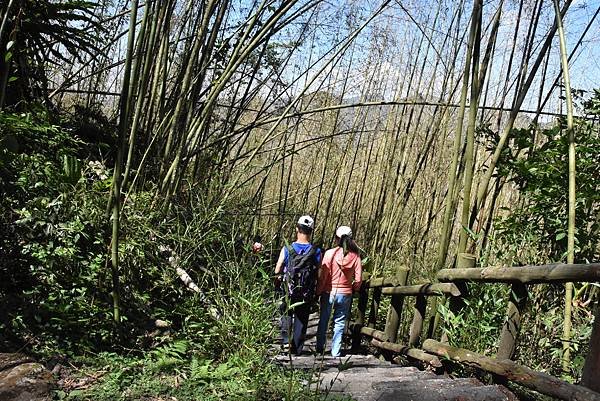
<point>228,358</point>
<point>167,376</point>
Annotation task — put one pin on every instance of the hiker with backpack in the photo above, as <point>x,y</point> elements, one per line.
<point>299,263</point>
<point>339,276</point>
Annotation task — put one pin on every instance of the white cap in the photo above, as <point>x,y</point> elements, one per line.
<point>343,230</point>
<point>306,221</point>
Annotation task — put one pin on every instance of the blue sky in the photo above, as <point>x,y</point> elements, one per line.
<point>388,39</point>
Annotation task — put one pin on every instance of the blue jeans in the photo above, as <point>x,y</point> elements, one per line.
<point>341,310</point>
<point>294,322</point>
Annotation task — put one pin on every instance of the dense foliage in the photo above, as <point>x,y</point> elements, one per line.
<point>56,286</point>
<point>197,122</point>
<point>542,178</point>
<point>533,232</point>
<point>37,33</point>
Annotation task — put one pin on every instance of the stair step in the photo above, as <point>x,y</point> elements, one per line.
<point>368,378</point>
<point>440,390</point>
<point>311,362</point>
<point>352,382</point>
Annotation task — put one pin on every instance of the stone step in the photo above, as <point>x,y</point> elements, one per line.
<point>434,390</point>
<point>405,384</point>
<point>354,380</point>
<point>311,362</point>
<point>367,378</point>
<point>24,380</point>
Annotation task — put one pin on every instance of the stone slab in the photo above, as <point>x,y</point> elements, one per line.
<point>28,381</point>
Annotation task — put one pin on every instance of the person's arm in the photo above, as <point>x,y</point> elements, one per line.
<point>279,264</point>
<point>357,275</point>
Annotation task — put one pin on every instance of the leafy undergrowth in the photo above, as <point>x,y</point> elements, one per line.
<point>224,358</point>
<point>172,372</point>
<point>218,353</point>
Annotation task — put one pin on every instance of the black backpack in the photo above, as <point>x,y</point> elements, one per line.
<point>301,274</point>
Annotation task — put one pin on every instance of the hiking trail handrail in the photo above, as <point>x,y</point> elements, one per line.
<point>454,285</point>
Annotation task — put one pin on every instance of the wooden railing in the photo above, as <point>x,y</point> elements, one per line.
<point>454,284</point>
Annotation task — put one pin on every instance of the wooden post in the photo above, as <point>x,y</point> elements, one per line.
<point>417,323</point>
<point>434,319</point>
<point>395,311</point>
<point>363,299</point>
<point>465,261</point>
<point>392,323</point>
<point>591,370</point>
<point>375,301</point>
<point>361,310</point>
<point>512,325</point>
<point>456,304</point>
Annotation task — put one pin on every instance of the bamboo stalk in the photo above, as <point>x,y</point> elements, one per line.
<point>485,181</point>
<point>116,186</point>
<point>449,212</point>
<point>566,357</point>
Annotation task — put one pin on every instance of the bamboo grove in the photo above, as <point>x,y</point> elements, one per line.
<point>390,116</point>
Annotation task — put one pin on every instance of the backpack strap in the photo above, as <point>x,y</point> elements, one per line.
<point>291,252</point>
<point>311,252</point>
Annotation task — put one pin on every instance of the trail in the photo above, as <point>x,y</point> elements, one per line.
<point>365,377</point>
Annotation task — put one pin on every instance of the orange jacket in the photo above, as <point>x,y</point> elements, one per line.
<point>339,274</point>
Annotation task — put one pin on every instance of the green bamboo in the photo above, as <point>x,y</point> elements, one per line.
<point>484,184</point>
<point>566,357</point>
<point>449,211</point>
<point>116,186</point>
<point>470,136</point>
<point>144,54</point>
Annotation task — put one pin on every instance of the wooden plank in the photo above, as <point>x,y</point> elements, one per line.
<point>591,370</point>
<point>385,282</point>
<point>449,289</point>
<point>416,326</point>
<point>377,334</point>
<point>408,351</point>
<point>523,375</point>
<point>555,273</point>
<point>512,325</point>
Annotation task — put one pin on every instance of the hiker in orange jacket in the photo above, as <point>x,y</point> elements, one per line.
<point>339,276</point>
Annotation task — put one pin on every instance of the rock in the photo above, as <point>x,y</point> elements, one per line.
<point>8,360</point>
<point>161,324</point>
<point>56,369</point>
<point>22,380</point>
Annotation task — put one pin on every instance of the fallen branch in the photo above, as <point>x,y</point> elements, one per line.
<point>189,282</point>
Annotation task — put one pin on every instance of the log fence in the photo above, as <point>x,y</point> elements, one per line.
<point>453,285</point>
